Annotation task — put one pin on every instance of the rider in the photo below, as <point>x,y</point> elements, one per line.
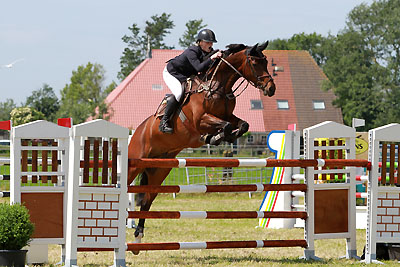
<point>191,62</point>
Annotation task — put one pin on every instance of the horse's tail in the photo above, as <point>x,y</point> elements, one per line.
<point>143,181</point>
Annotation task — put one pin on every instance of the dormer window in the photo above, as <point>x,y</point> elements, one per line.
<point>156,87</point>
<point>318,104</point>
<point>282,104</point>
<point>256,104</point>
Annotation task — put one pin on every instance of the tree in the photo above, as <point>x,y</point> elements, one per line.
<point>153,35</point>
<point>192,28</point>
<point>351,75</point>
<point>364,64</point>
<point>5,109</point>
<point>313,43</point>
<point>45,101</point>
<point>24,115</point>
<point>378,26</point>
<point>81,98</point>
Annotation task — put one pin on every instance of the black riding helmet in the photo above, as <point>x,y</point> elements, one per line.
<point>206,35</point>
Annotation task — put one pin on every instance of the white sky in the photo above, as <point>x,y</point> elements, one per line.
<point>55,37</point>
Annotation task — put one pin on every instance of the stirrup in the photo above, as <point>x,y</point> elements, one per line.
<point>165,128</point>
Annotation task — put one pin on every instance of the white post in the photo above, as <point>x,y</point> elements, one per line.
<point>73,198</point>
<point>15,168</point>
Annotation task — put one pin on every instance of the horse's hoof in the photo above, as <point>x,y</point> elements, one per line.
<point>244,128</point>
<point>139,233</point>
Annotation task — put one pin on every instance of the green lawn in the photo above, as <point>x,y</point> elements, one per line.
<point>158,230</point>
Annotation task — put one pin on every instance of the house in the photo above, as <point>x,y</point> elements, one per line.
<point>298,98</point>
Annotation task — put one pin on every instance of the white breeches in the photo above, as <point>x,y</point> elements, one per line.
<point>173,84</point>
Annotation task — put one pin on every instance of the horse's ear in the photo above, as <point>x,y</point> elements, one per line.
<point>253,49</point>
<point>263,46</point>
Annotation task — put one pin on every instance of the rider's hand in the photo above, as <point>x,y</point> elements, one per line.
<point>216,55</point>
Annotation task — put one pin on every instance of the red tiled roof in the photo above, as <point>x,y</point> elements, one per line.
<point>135,99</point>
<point>275,119</point>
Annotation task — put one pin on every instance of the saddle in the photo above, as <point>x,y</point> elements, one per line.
<point>188,91</point>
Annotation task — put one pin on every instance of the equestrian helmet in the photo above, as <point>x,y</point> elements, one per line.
<point>206,35</point>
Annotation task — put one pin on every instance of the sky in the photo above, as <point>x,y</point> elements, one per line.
<point>52,38</point>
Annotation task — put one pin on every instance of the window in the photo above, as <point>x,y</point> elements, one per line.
<point>156,87</point>
<point>250,139</point>
<point>282,104</point>
<point>256,104</point>
<point>318,104</point>
<point>263,139</point>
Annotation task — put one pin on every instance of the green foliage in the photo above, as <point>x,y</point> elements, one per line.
<point>153,35</point>
<point>16,228</point>
<point>24,115</point>
<point>45,101</point>
<point>313,43</point>
<point>362,62</point>
<point>377,25</point>
<point>352,73</point>
<point>192,28</point>
<point>5,109</point>
<point>81,98</point>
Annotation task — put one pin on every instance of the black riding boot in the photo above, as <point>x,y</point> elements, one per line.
<point>165,123</point>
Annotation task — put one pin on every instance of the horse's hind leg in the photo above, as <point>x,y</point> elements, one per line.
<point>151,176</point>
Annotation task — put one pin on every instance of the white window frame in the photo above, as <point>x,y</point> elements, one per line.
<point>282,104</point>
<point>319,105</point>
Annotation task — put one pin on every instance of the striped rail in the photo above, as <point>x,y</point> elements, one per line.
<point>207,245</point>
<point>358,195</point>
<point>5,177</point>
<point>215,214</point>
<point>215,188</point>
<point>216,245</point>
<point>4,194</point>
<point>181,163</point>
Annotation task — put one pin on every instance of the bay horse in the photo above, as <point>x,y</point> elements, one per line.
<point>207,116</point>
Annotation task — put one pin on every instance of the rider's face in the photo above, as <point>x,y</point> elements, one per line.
<point>206,46</point>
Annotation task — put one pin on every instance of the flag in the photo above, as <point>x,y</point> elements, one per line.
<point>5,125</point>
<point>66,122</point>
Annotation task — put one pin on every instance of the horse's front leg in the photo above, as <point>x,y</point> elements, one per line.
<point>241,126</point>
<point>215,127</point>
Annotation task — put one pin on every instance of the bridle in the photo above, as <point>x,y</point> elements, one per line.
<point>270,79</point>
<point>256,85</point>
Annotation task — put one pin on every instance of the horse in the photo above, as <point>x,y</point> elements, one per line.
<point>207,116</point>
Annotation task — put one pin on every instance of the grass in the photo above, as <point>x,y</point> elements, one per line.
<point>158,230</point>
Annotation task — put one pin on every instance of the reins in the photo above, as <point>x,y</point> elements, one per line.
<point>231,95</point>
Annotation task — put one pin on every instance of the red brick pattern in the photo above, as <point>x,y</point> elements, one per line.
<point>388,215</point>
<point>98,217</point>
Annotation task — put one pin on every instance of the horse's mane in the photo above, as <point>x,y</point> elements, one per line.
<point>234,48</point>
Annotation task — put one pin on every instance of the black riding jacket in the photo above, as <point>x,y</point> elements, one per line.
<point>190,62</point>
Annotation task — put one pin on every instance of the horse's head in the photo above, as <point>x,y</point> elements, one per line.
<point>256,69</point>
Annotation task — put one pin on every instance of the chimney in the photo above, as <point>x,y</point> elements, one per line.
<point>148,52</point>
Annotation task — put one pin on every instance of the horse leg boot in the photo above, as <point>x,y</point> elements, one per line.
<point>165,123</point>
<point>218,138</point>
